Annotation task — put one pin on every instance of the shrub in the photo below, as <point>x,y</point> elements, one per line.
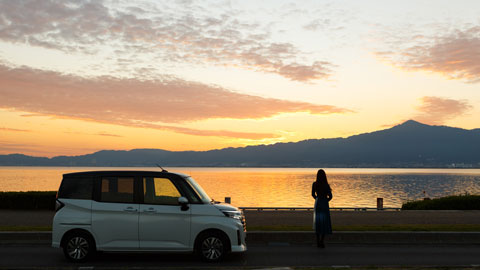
<point>458,202</point>
<point>44,200</point>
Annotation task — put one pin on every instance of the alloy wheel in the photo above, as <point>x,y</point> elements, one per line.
<point>77,248</point>
<point>212,248</point>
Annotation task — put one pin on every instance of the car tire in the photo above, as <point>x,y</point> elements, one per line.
<point>78,247</point>
<point>212,246</point>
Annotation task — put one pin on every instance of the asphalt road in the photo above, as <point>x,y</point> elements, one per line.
<point>258,256</point>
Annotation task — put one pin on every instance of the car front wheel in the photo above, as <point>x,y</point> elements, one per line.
<point>212,247</point>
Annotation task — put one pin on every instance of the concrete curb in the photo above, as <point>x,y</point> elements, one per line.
<point>371,237</point>
<point>297,238</point>
<point>25,238</point>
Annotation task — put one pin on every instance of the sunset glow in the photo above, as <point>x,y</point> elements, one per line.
<point>81,76</point>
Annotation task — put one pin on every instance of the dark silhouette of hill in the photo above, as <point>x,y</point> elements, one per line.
<point>411,144</point>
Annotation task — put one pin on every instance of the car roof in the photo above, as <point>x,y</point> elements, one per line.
<point>123,173</point>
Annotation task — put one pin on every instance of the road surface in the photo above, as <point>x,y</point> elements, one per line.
<point>258,256</point>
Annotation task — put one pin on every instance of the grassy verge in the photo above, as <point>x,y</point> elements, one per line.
<point>406,227</point>
<point>458,202</point>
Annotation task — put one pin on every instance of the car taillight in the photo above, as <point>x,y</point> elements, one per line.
<point>58,205</point>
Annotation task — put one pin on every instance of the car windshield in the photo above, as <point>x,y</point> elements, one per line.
<point>198,189</point>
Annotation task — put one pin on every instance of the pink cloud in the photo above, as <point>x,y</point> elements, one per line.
<point>456,55</point>
<point>157,34</point>
<point>297,72</point>
<point>108,135</point>
<point>437,110</point>
<point>14,129</point>
<point>140,103</point>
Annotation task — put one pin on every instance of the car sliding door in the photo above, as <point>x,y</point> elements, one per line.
<point>163,225</point>
<point>115,214</point>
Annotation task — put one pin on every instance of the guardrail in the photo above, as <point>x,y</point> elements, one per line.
<point>311,209</point>
<point>378,208</point>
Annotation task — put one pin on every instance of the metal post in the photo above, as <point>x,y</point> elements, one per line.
<point>379,203</point>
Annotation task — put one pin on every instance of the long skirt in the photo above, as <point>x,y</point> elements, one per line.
<point>321,217</point>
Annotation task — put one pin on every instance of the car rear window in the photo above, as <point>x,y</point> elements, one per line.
<point>76,188</point>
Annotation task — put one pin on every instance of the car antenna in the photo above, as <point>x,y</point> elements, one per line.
<point>163,170</point>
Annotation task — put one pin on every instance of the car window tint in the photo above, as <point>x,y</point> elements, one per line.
<point>160,191</point>
<point>76,188</point>
<point>117,189</point>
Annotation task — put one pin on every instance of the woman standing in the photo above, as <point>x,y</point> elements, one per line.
<point>322,193</point>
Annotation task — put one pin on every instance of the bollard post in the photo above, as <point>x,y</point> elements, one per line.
<point>379,203</point>
<point>228,200</point>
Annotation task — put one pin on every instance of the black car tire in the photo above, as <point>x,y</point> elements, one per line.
<point>78,247</point>
<point>212,246</point>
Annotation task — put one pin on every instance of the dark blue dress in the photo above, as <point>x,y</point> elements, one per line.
<point>321,215</point>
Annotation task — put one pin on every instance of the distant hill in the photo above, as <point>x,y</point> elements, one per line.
<point>410,144</point>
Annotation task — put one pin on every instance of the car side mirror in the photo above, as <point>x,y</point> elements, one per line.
<point>183,203</point>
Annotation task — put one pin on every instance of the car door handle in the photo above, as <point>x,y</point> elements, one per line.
<point>150,210</point>
<point>130,209</point>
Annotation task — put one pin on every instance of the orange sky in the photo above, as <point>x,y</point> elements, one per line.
<point>78,77</point>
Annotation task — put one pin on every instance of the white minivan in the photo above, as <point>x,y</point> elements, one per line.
<point>143,211</point>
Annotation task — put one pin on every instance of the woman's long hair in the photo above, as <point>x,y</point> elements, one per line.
<point>322,185</point>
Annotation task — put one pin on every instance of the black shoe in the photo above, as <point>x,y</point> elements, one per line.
<point>320,245</point>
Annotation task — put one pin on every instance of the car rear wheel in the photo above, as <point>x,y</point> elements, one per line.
<point>78,247</point>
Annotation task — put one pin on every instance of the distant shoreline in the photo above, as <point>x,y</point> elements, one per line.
<point>408,145</point>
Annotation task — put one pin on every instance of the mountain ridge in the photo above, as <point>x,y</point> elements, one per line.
<point>410,144</point>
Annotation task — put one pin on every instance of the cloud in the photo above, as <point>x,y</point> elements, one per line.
<point>140,103</point>
<point>437,110</point>
<point>93,134</point>
<point>316,24</point>
<point>7,148</point>
<point>145,33</point>
<point>14,129</point>
<point>393,124</point>
<point>304,73</point>
<point>108,135</point>
<point>10,148</point>
<point>455,55</point>
<point>325,24</point>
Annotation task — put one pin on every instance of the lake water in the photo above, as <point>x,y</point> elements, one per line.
<point>285,187</point>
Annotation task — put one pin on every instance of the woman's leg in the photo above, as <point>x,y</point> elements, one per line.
<point>322,243</point>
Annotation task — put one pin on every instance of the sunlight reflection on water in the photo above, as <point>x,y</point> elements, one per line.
<point>285,187</point>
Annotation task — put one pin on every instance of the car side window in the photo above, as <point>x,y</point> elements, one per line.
<point>117,189</point>
<point>160,191</point>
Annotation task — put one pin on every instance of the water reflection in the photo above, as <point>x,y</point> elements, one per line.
<point>286,187</point>
<point>274,189</point>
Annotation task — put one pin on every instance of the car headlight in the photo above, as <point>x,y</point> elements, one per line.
<point>233,214</point>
